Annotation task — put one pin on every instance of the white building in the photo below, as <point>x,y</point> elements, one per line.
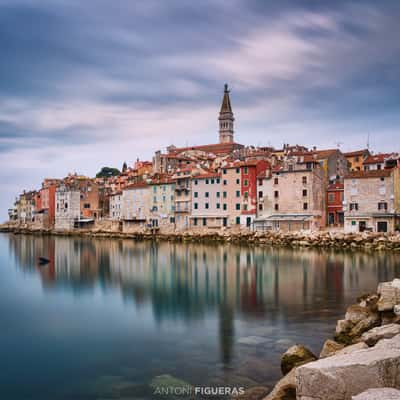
<point>67,207</point>
<point>135,211</point>
<point>116,206</point>
<point>162,203</point>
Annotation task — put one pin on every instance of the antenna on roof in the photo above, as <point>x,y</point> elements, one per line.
<point>368,141</point>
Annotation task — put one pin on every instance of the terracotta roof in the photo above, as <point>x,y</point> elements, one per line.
<point>207,175</point>
<point>325,153</point>
<point>376,158</point>
<point>377,173</point>
<point>356,153</point>
<point>218,148</point>
<point>139,185</point>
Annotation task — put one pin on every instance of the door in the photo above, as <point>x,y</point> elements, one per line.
<point>248,222</point>
<point>331,219</point>
<point>362,225</point>
<point>225,221</point>
<point>382,226</point>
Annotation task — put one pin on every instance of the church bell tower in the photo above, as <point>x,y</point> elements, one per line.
<point>226,119</point>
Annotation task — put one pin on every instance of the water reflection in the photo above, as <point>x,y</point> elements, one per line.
<point>210,314</point>
<point>185,281</point>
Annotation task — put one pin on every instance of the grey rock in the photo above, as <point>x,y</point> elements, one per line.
<point>396,309</point>
<point>329,348</point>
<point>379,394</point>
<point>294,356</point>
<point>381,332</point>
<point>355,313</point>
<point>389,295</point>
<point>285,389</point>
<point>341,376</point>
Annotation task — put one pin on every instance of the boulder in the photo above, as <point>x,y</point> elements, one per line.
<point>355,313</point>
<point>285,389</point>
<point>381,394</point>
<point>381,332</point>
<point>363,326</point>
<point>342,376</point>
<point>294,356</point>
<point>329,348</point>
<point>352,348</point>
<point>389,295</point>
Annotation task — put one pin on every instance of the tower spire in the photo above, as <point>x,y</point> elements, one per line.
<point>226,118</point>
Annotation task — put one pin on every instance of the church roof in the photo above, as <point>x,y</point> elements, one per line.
<point>226,102</point>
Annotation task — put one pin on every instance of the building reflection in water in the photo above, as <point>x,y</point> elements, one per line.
<point>186,281</point>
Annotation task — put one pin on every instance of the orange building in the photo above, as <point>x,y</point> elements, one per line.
<point>356,158</point>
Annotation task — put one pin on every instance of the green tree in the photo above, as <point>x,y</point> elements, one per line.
<point>106,172</point>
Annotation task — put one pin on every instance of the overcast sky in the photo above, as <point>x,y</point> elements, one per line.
<point>85,84</point>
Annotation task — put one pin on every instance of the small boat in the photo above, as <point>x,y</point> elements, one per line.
<point>43,260</point>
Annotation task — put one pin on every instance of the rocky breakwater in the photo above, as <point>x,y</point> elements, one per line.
<point>302,239</point>
<point>361,362</point>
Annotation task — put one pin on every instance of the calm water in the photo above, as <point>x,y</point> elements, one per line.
<point>105,317</point>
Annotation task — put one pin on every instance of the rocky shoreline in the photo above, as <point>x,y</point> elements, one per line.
<point>360,362</point>
<point>323,239</point>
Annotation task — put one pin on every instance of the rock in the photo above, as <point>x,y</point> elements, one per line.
<point>294,356</point>
<point>393,343</point>
<point>381,332</point>
<point>389,317</point>
<point>381,394</point>
<point>369,300</point>
<point>396,309</point>
<point>285,389</point>
<point>389,295</point>
<point>355,313</point>
<point>329,348</point>
<point>364,325</point>
<point>341,376</point>
<point>352,348</point>
<point>254,393</point>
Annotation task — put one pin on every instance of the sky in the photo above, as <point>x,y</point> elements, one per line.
<point>84,84</point>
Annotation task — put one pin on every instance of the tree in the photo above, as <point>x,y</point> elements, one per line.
<point>106,172</point>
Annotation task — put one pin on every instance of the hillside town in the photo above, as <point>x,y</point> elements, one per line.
<point>226,185</point>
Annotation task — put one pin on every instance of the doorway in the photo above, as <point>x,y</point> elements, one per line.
<point>382,226</point>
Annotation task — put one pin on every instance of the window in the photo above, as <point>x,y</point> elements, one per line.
<point>290,167</point>
<point>196,194</point>
<point>260,194</point>
<point>260,182</point>
<point>224,182</point>
<point>195,221</point>
<point>207,181</point>
<point>237,206</point>
<point>382,178</point>
<point>245,207</point>
<point>217,180</point>
<point>238,170</point>
<point>207,194</point>
<point>86,205</point>
<point>237,181</point>
<point>224,206</point>
<point>246,182</point>
<point>212,181</point>
<point>276,181</point>
<point>237,193</point>
<point>218,205</point>
<point>204,221</point>
<point>304,192</point>
<point>353,206</point>
<point>196,206</point>
<point>218,194</point>
<point>305,206</point>
<point>246,195</point>
<point>246,170</point>
<point>154,189</point>
<point>331,197</point>
<point>260,206</point>
<point>276,206</point>
<point>382,205</point>
<point>276,194</point>
<point>304,179</point>
<point>237,220</point>
<point>206,206</point>
<point>65,205</point>
<point>224,171</point>
<point>196,182</point>
<point>154,200</point>
<point>224,195</point>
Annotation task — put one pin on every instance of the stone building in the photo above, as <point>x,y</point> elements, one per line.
<point>334,204</point>
<point>115,201</point>
<point>162,203</point>
<point>67,207</point>
<point>183,197</point>
<point>292,198</point>
<point>135,206</point>
<point>207,202</point>
<point>333,162</point>
<point>369,200</point>
<point>25,207</point>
